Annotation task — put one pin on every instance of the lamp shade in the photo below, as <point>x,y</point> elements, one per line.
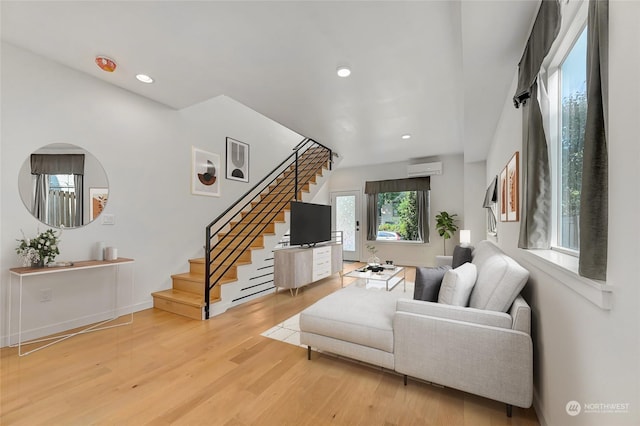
<point>465,237</point>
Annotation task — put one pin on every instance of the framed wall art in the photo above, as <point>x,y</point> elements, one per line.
<point>513,188</point>
<point>205,173</point>
<point>503,195</point>
<point>237,160</point>
<point>98,197</point>
<point>510,190</point>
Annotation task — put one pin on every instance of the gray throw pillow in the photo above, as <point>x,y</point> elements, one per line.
<point>461,255</point>
<point>428,280</point>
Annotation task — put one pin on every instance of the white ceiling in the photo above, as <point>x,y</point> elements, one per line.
<point>439,70</point>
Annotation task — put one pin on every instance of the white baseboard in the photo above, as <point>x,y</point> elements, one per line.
<point>538,409</point>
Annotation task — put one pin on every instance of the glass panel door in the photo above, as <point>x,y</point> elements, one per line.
<point>346,218</point>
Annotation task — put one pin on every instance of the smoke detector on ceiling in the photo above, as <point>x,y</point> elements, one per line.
<point>106,64</point>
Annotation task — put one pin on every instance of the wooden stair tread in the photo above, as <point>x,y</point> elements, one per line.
<point>224,281</point>
<point>237,263</point>
<point>183,297</point>
<point>199,278</point>
<point>189,276</point>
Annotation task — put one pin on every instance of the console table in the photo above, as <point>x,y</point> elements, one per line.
<point>23,273</point>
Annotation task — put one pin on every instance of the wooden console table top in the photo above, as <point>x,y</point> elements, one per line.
<point>82,264</point>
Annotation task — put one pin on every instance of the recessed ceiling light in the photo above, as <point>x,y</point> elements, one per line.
<point>144,78</point>
<point>407,136</point>
<point>343,72</point>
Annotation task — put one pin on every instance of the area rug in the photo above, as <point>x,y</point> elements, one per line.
<point>288,331</point>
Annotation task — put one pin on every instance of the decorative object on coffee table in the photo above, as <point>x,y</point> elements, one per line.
<point>446,227</point>
<point>373,261</point>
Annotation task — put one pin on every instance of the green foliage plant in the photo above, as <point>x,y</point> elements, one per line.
<point>446,227</point>
<point>41,249</point>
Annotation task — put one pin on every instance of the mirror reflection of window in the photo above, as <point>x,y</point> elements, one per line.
<point>51,205</point>
<point>63,202</point>
<point>55,184</point>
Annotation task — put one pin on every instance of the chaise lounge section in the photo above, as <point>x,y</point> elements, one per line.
<point>483,348</point>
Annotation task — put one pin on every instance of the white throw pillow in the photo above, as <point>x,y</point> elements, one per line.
<point>457,285</point>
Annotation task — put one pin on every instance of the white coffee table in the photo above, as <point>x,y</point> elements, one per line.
<point>389,277</point>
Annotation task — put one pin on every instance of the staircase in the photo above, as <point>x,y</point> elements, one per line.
<point>244,236</point>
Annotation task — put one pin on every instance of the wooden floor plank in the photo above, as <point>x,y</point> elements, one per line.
<point>167,369</point>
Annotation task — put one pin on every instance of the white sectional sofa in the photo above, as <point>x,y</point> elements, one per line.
<point>484,348</point>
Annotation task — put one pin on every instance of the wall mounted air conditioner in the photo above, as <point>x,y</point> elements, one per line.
<point>424,169</point>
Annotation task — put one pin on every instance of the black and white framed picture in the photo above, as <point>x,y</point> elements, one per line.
<point>237,160</point>
<point>205,168</point>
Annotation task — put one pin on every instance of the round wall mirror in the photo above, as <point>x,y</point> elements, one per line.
<point>63,185</point>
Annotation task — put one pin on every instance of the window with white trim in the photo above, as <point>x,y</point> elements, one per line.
<point>567,116</point>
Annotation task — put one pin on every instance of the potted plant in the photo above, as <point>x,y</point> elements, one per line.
<point>446,227</point>
<point>39,251</point>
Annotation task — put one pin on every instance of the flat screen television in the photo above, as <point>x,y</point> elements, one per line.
<point>310,223</point>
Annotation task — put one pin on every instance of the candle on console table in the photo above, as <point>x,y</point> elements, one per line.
<point>99,251</point>
<point>111,253</point>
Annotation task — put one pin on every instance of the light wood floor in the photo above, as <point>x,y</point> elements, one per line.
<point>165,369</point>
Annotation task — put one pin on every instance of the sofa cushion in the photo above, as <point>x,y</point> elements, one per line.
<point>456,313</point>
<point>354,314</point>
<point>457,285</point>
<point>461,255</point>
<point>500,278</point>
<point>428,281</point>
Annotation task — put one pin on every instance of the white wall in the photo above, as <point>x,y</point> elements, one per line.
<point>145,149</point>
<point>475,216</point>
<point>446,194</point>
<point>582,352</point>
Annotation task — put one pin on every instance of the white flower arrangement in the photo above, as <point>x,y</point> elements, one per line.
<point>41,249</point>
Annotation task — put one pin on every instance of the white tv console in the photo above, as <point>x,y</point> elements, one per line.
<point>299,266</point>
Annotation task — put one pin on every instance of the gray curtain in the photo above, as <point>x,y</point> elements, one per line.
<point>57,164</point>
<point>372,217</point>
<point>420,185</point>
<point>545,30</point>
<point>39,209</point>
<point>594,193</point>
<point>535,210</point>
<point>78,184</point>
<point>535,213</point>
<point>422,201</point>
<point>397,185</point>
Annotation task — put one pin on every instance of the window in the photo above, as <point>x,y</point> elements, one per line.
<point>568,102</point>
<point>398,216</point>
<point>63,207</point>
<point>573,84</point>
<point>64,183</point>
<point>398,209</point>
